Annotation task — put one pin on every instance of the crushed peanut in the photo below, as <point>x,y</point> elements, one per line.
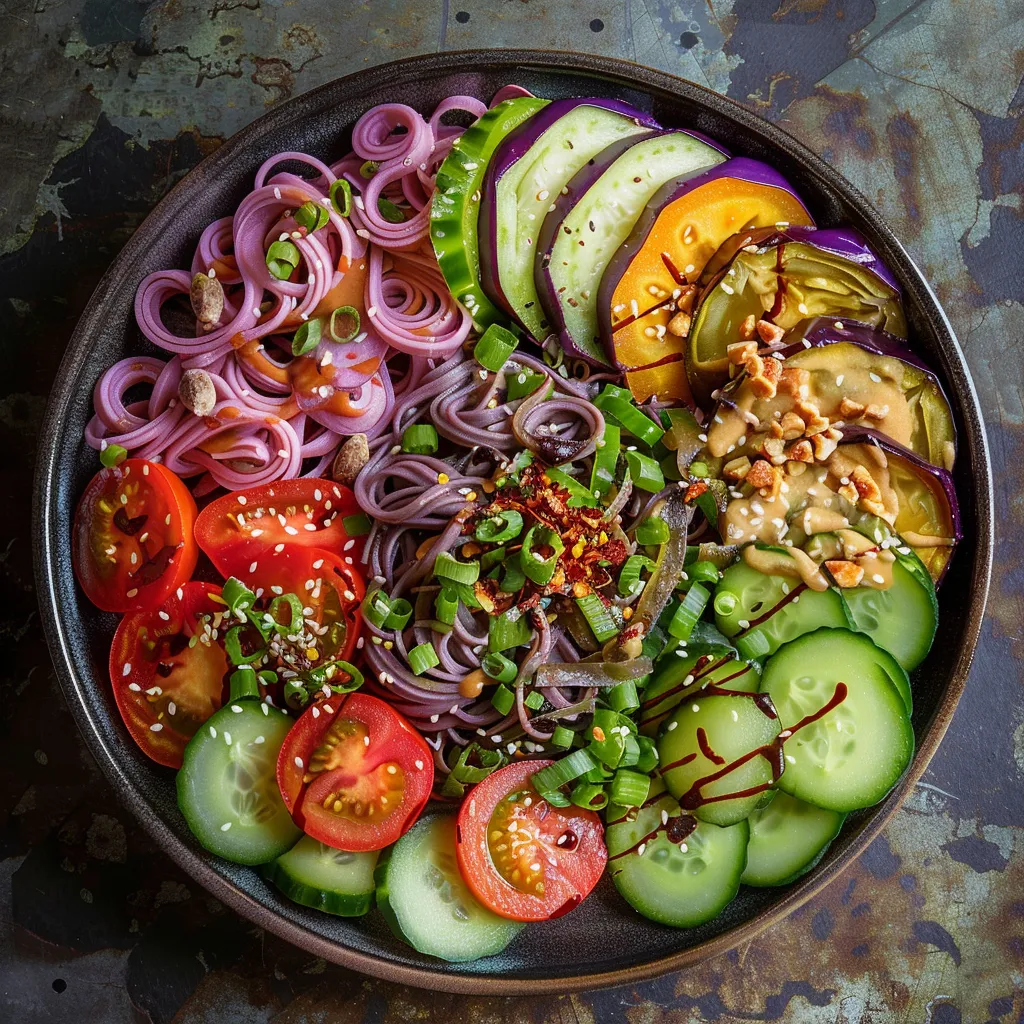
<point>740,351</point>
<point>846,574</point>
<point>792,426</point>
<point>736,469</point>
<point>679,325</point>
<point>800,451</point>
<point>850,410</point>
<point>770,334</point>
<point>747,328</point>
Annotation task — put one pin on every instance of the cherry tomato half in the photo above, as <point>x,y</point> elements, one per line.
<point>303,513</point>
<point>523,858</point>
<point>332,590</point>
<point>165,684</point>
<point>354,773</point>
<point>132,541</point>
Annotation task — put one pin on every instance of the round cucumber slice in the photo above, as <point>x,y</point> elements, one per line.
<point>709,738</point>
<point>763,612</point>
<point>455,207</point>
<point>902,619</point>
<point>854,754</point>
<point>677,678</point>
<point>682,885</point>
<point>787,838</point>
<point>318,876</point>
<point>427,904</point>
<point>227,786</point>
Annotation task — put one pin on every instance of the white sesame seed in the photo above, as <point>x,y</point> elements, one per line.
<point>127,670</point>
<point>156,727</point>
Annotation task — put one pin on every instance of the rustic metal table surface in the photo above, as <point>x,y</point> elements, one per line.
<point>106,103</point>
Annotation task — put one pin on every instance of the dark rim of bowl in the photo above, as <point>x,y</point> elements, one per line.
<point>627,75</point>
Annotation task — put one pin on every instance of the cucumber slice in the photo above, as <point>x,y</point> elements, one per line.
<point>708,738</point>
<point>902,619</point>
<point>600,221</point>
<point>677,678</point>
<point>526,189</point>
<point>855,753</point>
<point>763,612</point>
<point>455,206</point>
<point>227,786</point>
<point>427,904</point>
<point>318,876</point>
<point>682,888</point>
<point>787,838</point>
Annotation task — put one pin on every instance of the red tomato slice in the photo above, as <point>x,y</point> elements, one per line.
<point>354,773</point>
<point>165,686</point>
<point>132,541</point>
<point>333,590</point>
<point>522,857</point>
<point>306,513</point>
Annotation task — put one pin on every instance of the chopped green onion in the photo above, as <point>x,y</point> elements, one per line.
<point>564,770</point>
<point>504,633</point>
<point>448,568</point>
<point>623,698</point>
<point>630,751</point>
<point>588,795</point>
<point>652,531</point>
<point>282,258</point>
<point>295,612</point>
<point>514,577</point>
<point>670,467</point>
<point>653,643</point>
<point>629,576</point>
<point>753,645</point>
<point>400,614</point>
<point>423,657</point>
<point>629,789</point>
<point>645,472</point>
<point>243,684</point>
<point>349,326</point>
<point>376,608</point>
<point>534,700</point>
<point>703,572</point>
<point>498,667</point>
<point>490,760</point>
<point>233,647</point>
<point>327,673</point>
<point>523,383</point>
<point>624,414</point>
<point>496,344</point>
<point>420,439</point>
<point>598,776</point>
<point>389,211</point>
<point>562,737</point>
<point>113,455</point>
<point>578,494</point>
<point>607,742</point>
<point>699,470</point>
<point>237,596</point>
<point>503,700</point>
<point>368,168</point>
<point>311,216</point>
<point>606,458</point>
<point>465,592</point>
<point>497,529</point>
<point>357,525</point>
<point>538,567</point>
<point>690,609</point>
<point>598,617</point>
<point>341,196</point>
<point>708,503</point>
<point>614,391</point>
<point>490,562</point>
<point>306,338</point>
<point>648,759</point>
<point>446,606</point>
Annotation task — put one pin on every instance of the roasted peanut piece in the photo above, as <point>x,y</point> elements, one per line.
<point>850,410</point>
<point>740,351</point>
<point>351,457</point>
<point>770,334</point>
<point>792,426</point>
<point>736,469</point>
<point>846,574</point>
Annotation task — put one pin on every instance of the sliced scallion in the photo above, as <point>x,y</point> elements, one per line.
<point>344,323</point>
<point>286,605</point>
<point>448,568</point>
<point>579,496</point>
<point>376,608</point>
<point>562,737</point>
<point>389,211</point>
<point>341,196</point>
<point>368,168</point>
<point>496,344</point>
<point>420,439</point>
<point>306,338</point>
<point>514,577</point>
<point>645,472</point>
<point>648,759</point>
<point>311,216</point>
<point>565,769</point>
<point>606,458</point>
<point>423,657</point>
<point>505,632</point>
<point>536,566</point>
<point>113,455</point>
<point>588,795</point>
<point>282,259</point>
<point>503,700</point>
<point>598,617</point>
<point>703,572</point>
<point>623,698</point>
<point>357,525</point>
<point>499,528</point>
<point>498,667</point>
<point>621,410</point>
<point>629,575</point>
<point>689,611</point>
<point>629,789</point>
<point>534,700</point>
<point>446,606</point>
<point>237,596</point>
<point>400,614</point>
<point>522,383</point>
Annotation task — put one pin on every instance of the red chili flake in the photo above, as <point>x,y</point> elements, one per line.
<point>695,490</point>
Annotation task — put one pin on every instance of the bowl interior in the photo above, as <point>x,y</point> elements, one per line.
<point>604,937</point>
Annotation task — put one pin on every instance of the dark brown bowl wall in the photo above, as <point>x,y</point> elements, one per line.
<point>604,941</point>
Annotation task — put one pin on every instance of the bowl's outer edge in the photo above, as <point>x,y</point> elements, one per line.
<point>46,540</point>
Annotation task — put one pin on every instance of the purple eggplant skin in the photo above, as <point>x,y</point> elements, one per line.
<point>577,187</point>
<point>741,167</point>
<point>846,242</point>
<point>511,150</point>
<point>865,435</point>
